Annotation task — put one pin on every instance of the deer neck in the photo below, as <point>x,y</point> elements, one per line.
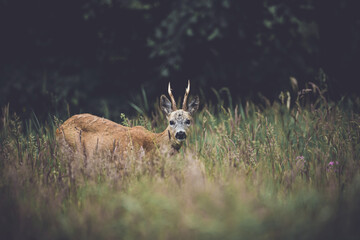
<point>166,141</point>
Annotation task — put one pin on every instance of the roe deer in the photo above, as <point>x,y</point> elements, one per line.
<point>89,134</point>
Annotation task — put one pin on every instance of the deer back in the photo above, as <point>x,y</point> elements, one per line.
<point>89,134</point>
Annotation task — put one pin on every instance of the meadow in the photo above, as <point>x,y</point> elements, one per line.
<point>282,170</point>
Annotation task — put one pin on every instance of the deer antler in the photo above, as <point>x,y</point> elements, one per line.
<point>173,102</point>
<point>187,91</point>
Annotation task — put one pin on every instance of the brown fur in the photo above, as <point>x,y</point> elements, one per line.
<point>88,134</point>
<point>91,134</point>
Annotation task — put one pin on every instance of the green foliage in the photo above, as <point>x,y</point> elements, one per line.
<point>251,172</point>
<point>103,50</point>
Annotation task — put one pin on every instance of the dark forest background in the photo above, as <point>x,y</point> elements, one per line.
<point>100,55</point>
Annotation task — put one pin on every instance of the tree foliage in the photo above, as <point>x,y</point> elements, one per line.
<point>98,53</point>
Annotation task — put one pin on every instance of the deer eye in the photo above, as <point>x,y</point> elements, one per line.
<point>172,122</point>
<point>187,121</point>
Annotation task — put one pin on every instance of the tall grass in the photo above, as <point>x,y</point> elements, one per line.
<point>246,172</point>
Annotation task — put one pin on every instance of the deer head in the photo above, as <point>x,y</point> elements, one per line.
<point>179,120</point>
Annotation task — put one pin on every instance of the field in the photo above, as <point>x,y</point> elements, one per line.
<point>285,170</point>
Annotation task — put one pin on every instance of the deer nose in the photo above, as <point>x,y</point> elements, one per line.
<point>180,135</point>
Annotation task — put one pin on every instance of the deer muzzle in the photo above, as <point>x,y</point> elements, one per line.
<point>180,135</point>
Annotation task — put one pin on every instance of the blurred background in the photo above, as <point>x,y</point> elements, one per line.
<point>109,56</point>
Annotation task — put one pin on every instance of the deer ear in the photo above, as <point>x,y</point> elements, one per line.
<point>165,105</point>
<point>193,106</point>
